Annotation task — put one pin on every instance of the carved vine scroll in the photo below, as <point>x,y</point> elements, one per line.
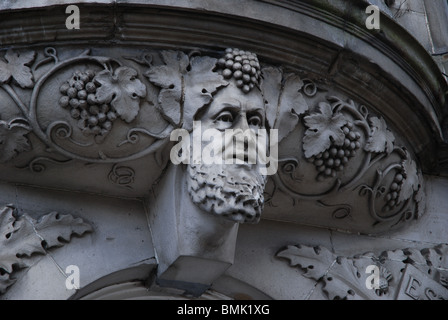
<point>115,109</point>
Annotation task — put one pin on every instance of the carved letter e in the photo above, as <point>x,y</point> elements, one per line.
<point>72,21</point>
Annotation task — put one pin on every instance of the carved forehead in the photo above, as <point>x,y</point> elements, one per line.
<point>233,96</point>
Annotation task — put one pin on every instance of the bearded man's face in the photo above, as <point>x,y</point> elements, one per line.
<point>234,191</point>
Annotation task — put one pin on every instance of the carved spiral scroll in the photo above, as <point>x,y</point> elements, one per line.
<point>62,130</point>
<point>397,195</point>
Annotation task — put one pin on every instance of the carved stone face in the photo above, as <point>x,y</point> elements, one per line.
<point>234,191</point>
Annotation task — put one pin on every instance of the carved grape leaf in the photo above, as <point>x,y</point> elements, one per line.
<point>323,127</point>
<point>186,86</point>
<point>17,67</point>
<point>122,90</point>
<point>201,83</point>
<point>340,276</point>
<point>347,277</point>
<point>284,101</point>
<point>291,105</point>
<point>381,138</point>
<point>23,236</point>
<point>411,181</point>
<point>270,85</point>
<point>12,138</point>
<point>169,78</point>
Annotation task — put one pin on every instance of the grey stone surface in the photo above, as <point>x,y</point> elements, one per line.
<point>44,280</point>
<point>120,240</point>
<point>256,249</point>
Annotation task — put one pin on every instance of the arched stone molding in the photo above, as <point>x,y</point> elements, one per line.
<point>225,288</point>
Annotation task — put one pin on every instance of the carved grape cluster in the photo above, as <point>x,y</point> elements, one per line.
<point>394,191</point>
<point>79,96</point>
<point>243,66</point>
<point>333,160</point>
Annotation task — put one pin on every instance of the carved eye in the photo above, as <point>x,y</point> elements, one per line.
<point>225,116</point>
<point>254,121</point>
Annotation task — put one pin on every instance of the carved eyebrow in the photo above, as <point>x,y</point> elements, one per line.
<point>258,110</point>
<point>228,107</point>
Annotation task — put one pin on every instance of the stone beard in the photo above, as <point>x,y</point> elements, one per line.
<point>232,191</point>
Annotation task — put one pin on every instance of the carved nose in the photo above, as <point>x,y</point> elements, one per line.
<point>241,144</point>
<point>242,123</point>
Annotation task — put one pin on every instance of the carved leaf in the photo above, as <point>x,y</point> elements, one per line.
<point>343,278</point>
<point>415,256</point>
<point>292,105</point>
<point>338,274</point>
<point>381,138</point>
<point>323,127</point>
<point>347,277</point>
<point>17,238</point>
<point>23,236</point>
<point>284,101</point>
<point>201,83</point>
<point>315,261</point>
<point>186,86</point>
<point>411,181</point>
<point>16,66</point>
<point>55,228</point>
<point>122,90</point>
<point>12,138</point>
<point>270,86</point>
<point>437,257</point>
<point>169,78</point>
<point>337,289</point>
<point>346,280</point>
<point>396,255</point>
